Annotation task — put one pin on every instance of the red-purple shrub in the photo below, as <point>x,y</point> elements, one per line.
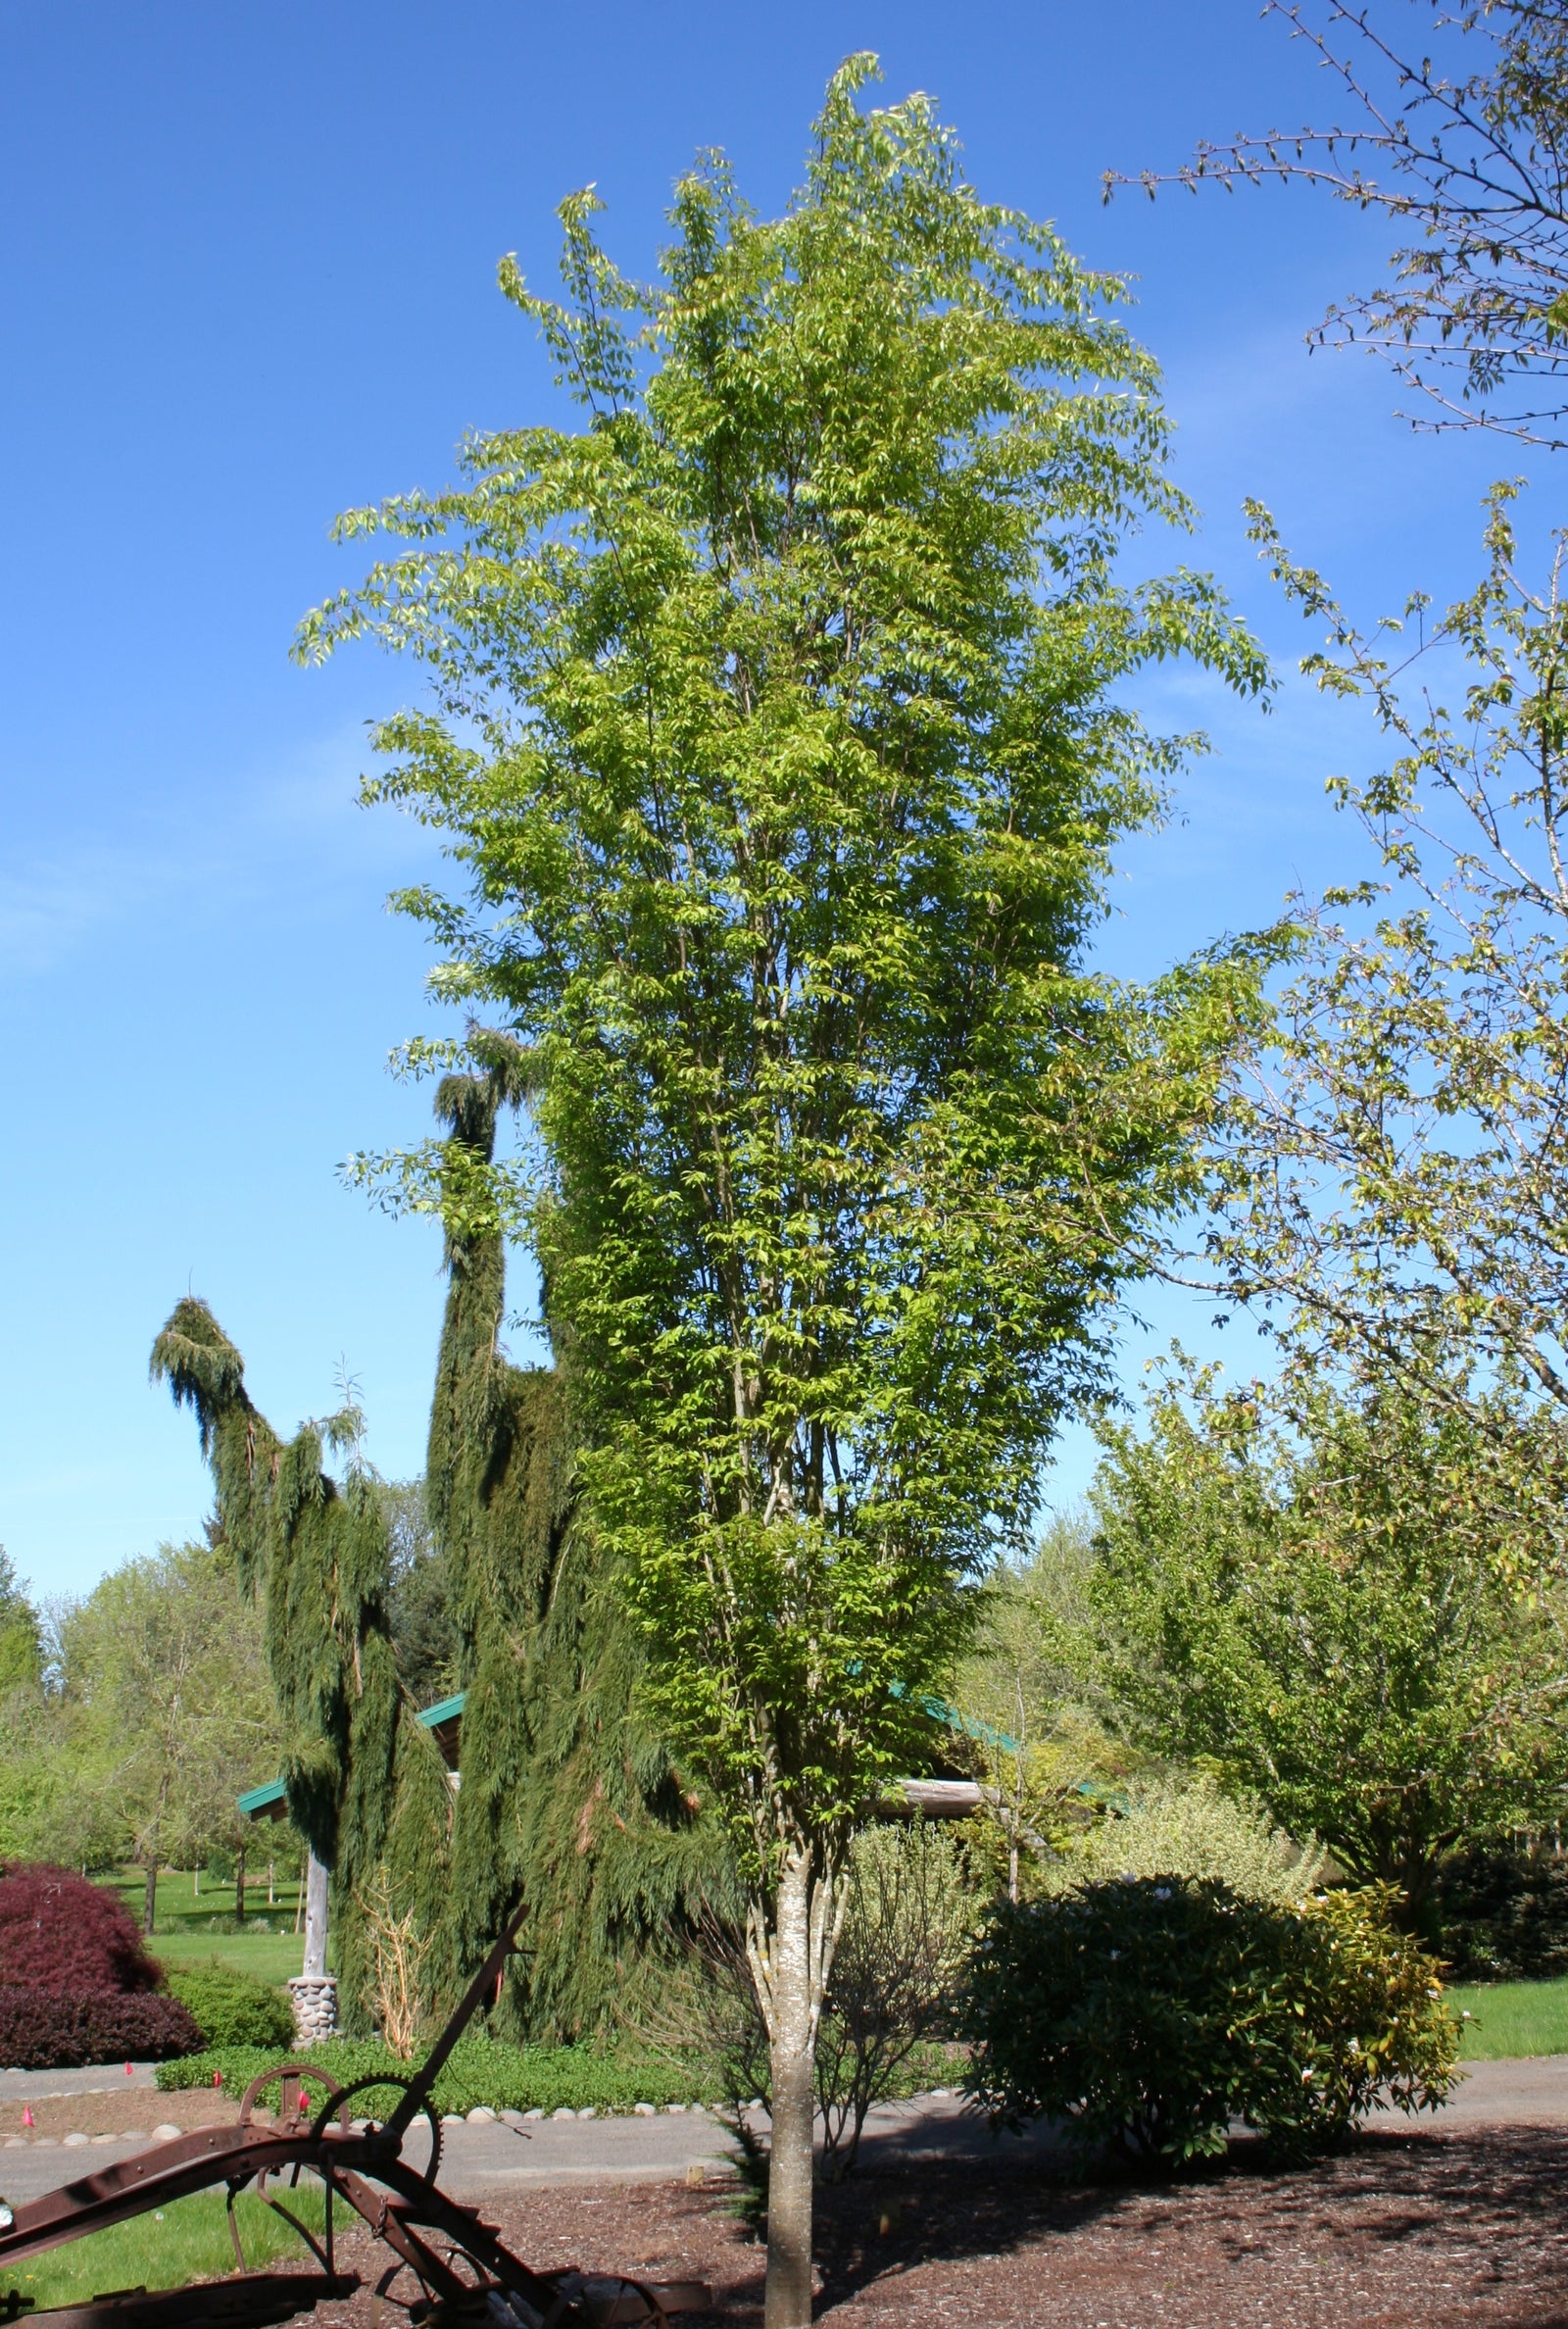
<point>59,1932</point>
<point>43,2030</point>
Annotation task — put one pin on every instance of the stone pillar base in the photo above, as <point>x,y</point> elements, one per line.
<point>314,1996</point>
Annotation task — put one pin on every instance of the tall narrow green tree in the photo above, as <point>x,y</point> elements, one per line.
<point>569,1799</point>
<point>782,725</point>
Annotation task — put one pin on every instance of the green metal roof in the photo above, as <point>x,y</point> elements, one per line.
<point>445,1709</point>
<point>261,1799</point>
<point>257,1799</point>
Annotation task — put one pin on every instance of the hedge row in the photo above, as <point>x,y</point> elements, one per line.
<point>480,2070</point>
<point>41,2030</point>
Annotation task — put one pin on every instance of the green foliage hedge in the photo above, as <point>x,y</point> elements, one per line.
<point>1152,2013</point>
<point>481,2070</point>
<point>232,2009</point>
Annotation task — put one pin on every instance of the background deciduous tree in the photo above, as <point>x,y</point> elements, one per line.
<point>1312,1600</point>
<point>781,723</point>
<point>1391,1185</point>
<point>1462,145</point>
<point>1035,1729</point>
<point>166,1712</point>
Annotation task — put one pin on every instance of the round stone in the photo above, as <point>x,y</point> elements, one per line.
<point>74,2138</point>
<point>564,2113</point>
<point>645,2109</point>
<point>533,2114</point>
<point>480,2116</point>
<point>165,2133</point>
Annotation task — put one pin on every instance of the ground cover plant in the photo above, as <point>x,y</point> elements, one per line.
<point>481,2071</point>
<point>488,2072</point>
<point>186,2241</point>
<point>1151,2014</point>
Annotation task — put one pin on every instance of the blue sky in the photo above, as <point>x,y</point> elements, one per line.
<point>247,268</point>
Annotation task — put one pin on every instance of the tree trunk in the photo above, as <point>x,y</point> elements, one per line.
<point>271,1884</point>
<point>239,1886</point>
<point>150,1905</point>
<point>789,1966</point>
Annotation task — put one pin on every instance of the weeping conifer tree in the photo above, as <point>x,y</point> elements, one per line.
<point>569,1800</point>
<point>366,1784</point>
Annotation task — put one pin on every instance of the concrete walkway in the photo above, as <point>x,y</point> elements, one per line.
<point>100,2078</point>
<point>489,2162</point>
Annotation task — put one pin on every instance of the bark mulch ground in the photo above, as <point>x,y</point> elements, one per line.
<point>1399,2231</point>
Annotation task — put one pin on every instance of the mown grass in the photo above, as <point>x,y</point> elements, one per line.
<point>186,1918</point>
<point>1509,2019</point>
<point>186,2241</point>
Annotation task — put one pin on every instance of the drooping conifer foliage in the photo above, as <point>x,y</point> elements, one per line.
<point>569,1799</point>
<point>366,1785</point>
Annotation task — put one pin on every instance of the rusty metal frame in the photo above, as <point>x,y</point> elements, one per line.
<point>402,2206</point>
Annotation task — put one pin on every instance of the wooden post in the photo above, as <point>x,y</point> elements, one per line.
<point>315,1918</point>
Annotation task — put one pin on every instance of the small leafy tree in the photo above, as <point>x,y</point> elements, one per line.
<point>780,722</point>
<point>1322,1615</point>
<point>60,1932</point>
<point>165,1710</point>
<point>909,1915</point>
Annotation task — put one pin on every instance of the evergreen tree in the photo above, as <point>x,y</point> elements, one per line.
<point>366,1784</point>
<point>569,1800</point>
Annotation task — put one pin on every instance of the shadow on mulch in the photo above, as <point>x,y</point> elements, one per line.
<point>1427,2193</point>
<point>1401,2230</point>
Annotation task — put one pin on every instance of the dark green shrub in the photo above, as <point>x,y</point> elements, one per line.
<point>233,2008</point>
<point>1154,2012</point>
<point>1502,1914</point>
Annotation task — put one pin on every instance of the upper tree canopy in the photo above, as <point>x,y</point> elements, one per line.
<point>779,721</point>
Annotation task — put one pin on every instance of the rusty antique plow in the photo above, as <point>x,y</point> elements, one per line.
<point>448,2268</point>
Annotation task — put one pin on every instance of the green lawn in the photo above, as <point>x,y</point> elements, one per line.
<point>1513,2017</point>
<point>186,2241</point>
<point>185,1917</point>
